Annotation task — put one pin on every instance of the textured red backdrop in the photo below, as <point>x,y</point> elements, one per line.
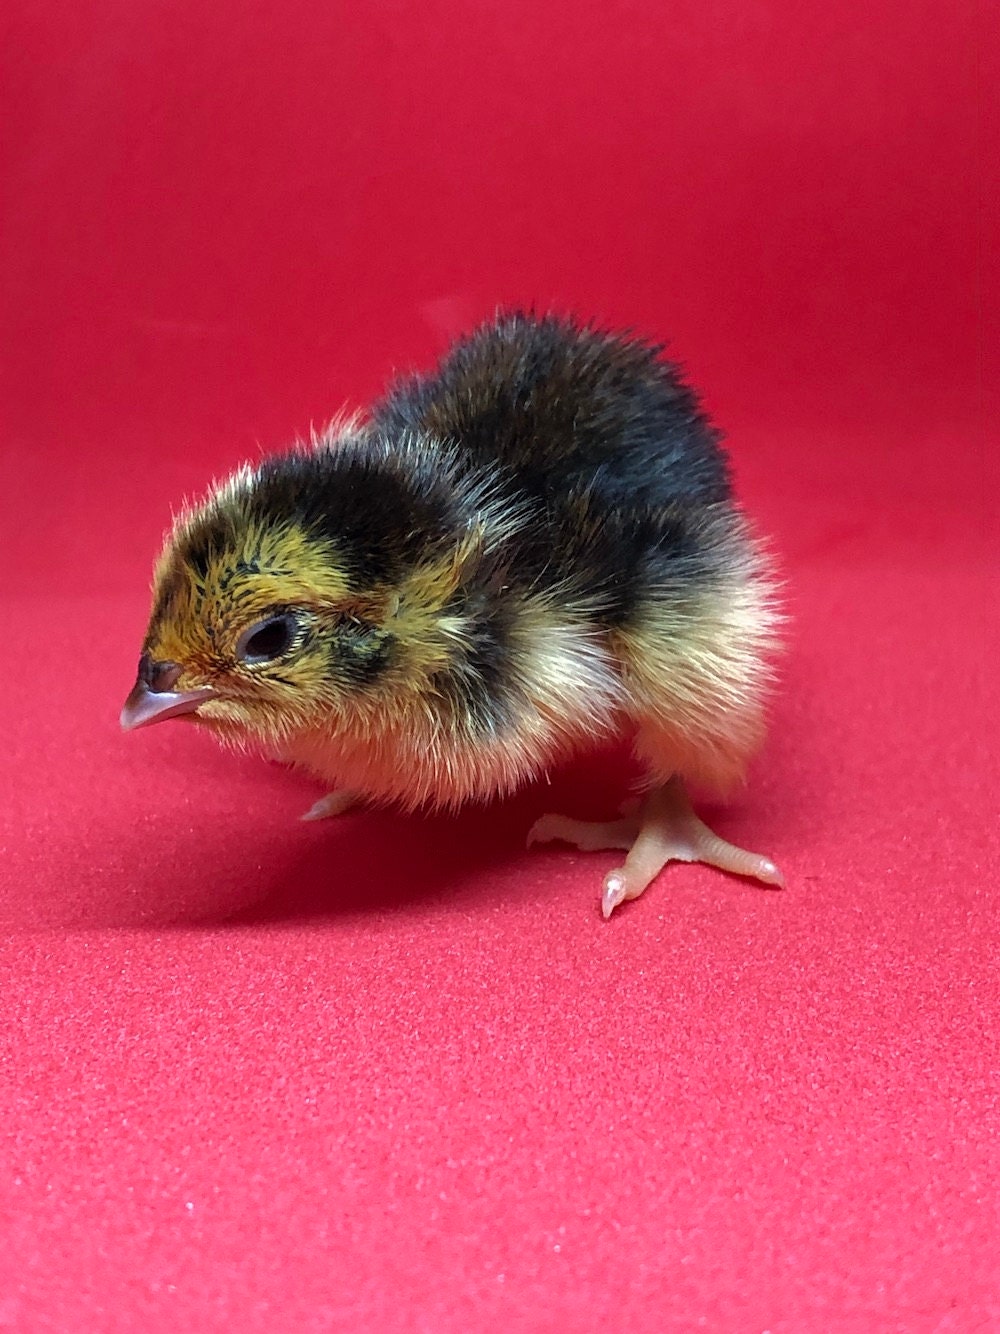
<point>397,1073</point>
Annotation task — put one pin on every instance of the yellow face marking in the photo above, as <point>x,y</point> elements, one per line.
<point>202,609</point>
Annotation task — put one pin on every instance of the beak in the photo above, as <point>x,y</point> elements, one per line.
<point>151,700</point>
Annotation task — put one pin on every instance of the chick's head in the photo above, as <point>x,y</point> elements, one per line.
<point>262,625</point>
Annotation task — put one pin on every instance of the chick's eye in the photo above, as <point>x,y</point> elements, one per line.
<point>267,639</point>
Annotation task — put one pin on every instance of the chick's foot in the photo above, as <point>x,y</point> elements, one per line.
<point>666,829</point>
<point>334,803</point>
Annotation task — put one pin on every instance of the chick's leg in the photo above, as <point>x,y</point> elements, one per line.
<point>666,829</point>
<point>334,803</point>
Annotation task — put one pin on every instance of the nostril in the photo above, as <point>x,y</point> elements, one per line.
<point>165,675</point>
<point>158,676</point>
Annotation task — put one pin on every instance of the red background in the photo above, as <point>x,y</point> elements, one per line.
<point>396,1073</point>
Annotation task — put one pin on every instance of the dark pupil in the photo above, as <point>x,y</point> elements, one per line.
<point>271,640</point>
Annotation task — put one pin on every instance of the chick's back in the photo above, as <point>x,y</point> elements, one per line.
<point>600,436</point>
<point>563,405</point>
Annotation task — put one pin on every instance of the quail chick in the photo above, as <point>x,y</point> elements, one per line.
<point>531,550</point>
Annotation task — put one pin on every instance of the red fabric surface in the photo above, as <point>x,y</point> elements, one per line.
<point>396,1073</point>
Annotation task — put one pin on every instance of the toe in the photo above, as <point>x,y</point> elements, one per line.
<point>587,835</point>
<point>544,830</point>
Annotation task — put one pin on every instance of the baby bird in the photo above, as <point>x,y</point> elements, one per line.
<point>532,550</point>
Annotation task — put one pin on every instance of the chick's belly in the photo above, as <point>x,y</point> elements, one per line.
<point>564,693</point>
<point>427,772</point>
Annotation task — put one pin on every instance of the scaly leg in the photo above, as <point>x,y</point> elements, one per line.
<point>666,829</point>
<point>334,803</point>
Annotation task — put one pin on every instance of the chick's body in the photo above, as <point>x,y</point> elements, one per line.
<point>531,549</point>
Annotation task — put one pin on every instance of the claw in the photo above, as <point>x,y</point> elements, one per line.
<point>613,893</point>
<point>769,874</point>
<point>334,803</point>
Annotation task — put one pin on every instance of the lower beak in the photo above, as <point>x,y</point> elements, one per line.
<point>145,706</point>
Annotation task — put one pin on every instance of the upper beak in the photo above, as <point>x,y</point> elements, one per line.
<point>151,699</point>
